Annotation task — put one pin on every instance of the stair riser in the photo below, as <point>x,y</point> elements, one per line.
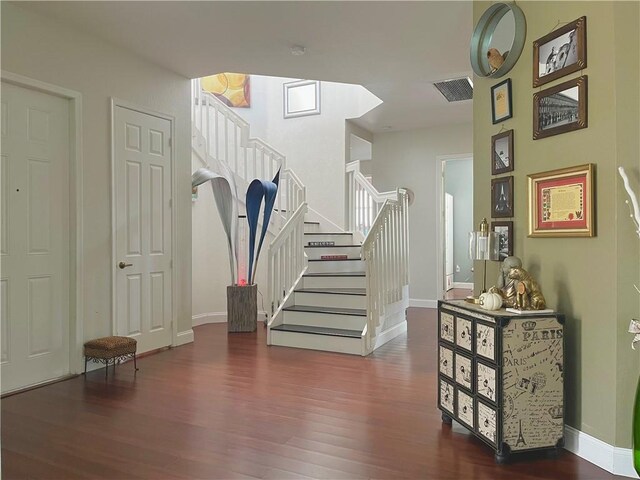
<point>328,237</point>
<point>337,266</point>
<point>316,253</point>
<point>330,300</point>
<point>327,320</point>
<point>334,282</point>
<point>327,343</point>
<point>311,227</point>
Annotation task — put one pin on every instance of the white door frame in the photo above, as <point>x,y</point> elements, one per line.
<point>76,247</point>
<point>116,102</point>
<point>442,160</point>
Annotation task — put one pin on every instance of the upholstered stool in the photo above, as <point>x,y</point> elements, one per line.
<point>107,349</point>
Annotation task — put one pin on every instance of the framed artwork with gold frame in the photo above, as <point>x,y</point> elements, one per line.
<point>561,202</point>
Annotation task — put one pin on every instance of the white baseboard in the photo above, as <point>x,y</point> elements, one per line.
<point>390,334</point>
<point>618,461</point>
<point>184,337</point>
<point>421,303</point>
<point>217,317</point>
<point>465,285</point>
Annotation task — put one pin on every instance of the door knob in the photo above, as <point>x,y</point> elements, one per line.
<point>123,265</point>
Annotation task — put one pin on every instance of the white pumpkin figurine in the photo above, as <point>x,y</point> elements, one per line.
<point>490,301</point>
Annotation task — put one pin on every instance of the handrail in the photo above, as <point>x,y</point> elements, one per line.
<point>385,252</point>
<point>287,260</point>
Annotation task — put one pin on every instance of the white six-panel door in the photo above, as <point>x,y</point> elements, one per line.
<point>34,243</point>
<point>143,250</point>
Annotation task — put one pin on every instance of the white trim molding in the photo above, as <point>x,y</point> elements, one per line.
<point>183,338</point>
<point>218,317</point>
<point>618,461</point>
<point>465,285</point>
<point>422,303</point>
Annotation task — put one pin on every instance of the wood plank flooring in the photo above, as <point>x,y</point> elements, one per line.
<point>231,407</point>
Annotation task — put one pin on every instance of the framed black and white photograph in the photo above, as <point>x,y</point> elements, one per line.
<point>560,52</point>
<point>502,197</point>
<point>505,238</point>
<point>560,109</point>
<point>501,108</point>
<point>502,153</point>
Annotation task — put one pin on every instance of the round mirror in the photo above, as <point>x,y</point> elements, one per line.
<point>498,40</point>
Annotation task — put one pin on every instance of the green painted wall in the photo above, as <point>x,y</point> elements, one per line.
<point>588,279</point>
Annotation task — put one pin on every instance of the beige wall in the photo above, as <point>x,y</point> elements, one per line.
<point>587,279</point>
<point>39,48</point>
<point>410,159</point>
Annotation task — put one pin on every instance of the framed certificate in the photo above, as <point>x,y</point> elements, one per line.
<point>561,203</point>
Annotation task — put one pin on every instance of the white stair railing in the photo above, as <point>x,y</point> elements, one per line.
<point>287,260</point>
<point>221,134</point>
<point>363,200</point>
<point>386,254</point>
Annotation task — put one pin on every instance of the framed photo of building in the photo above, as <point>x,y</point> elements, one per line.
<point>501,108</point>
<point>502,153</point>
<point>560,109</point>
<point>505,238</point>
<point>561,202</point>
<point>502,197</point>
<point>560,52</point>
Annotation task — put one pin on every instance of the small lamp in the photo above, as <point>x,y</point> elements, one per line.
<point>483,245</point>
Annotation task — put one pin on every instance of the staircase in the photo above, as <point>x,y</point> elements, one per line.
<point>329,289</point>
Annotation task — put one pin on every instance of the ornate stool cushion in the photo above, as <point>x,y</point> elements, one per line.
<point>110,350</point>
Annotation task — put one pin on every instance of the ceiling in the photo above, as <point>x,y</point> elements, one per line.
<point>395,49</point>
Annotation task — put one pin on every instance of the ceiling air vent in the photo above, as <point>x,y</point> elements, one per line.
<point>456,90</point>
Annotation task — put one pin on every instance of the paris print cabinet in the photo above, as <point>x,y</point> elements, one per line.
<point>501,376</point>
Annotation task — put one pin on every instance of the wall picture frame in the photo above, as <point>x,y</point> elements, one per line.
<point>504,229</point>
<point>560,109</point>
<point>562,202</point>
<point>501,104</point>
<point>301,98</point>
<point>502,153</point>
<point>560,52</point>
<point>502,197</point>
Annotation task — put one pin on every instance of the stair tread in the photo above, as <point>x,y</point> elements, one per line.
<point>328,233</point>
<point>331,246</point>
<point>336,274</point>
<point>312,223</point>
<point>355,259</point>
<point>360,312</point>
<point>333,332</point>
<point>334,291</point>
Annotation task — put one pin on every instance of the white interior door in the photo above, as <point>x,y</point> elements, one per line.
<point>448,241</point>
<point>34,243</point>
<point>142,182</point>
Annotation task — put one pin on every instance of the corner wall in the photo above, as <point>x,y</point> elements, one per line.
<point>410,159</point>
<point>40,48</point>
<point>584,278</point>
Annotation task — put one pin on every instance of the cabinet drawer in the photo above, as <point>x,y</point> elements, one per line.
<point>446,396</point>
<point>486,381</point>
<point>486,421</point>
<point>446,327</point>
<point>463,371</point>
<point>446,361</point>
<point>463,333</point>
<point>486,341</point>
<point>464,408</point>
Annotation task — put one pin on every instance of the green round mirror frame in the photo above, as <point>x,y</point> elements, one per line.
<point>483,35</point>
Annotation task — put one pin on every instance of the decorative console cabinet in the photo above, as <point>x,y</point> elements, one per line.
<point>501,376</point>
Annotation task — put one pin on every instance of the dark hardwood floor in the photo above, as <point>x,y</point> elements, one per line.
<point>231,407</point>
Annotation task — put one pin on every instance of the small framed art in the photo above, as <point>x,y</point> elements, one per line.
<point>561,202</point>
<point>502,153</point>
<point>501,101</point>
<point>505,238</point>
<point>560,109</point>
<point>560,52</point>
<point>502,197</point>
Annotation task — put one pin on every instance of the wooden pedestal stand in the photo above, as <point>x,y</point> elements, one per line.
<point>242,308</point>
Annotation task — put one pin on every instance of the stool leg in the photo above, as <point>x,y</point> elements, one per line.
<point>106,369</point>
<point>135,365</point>
<point>85,365</point>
